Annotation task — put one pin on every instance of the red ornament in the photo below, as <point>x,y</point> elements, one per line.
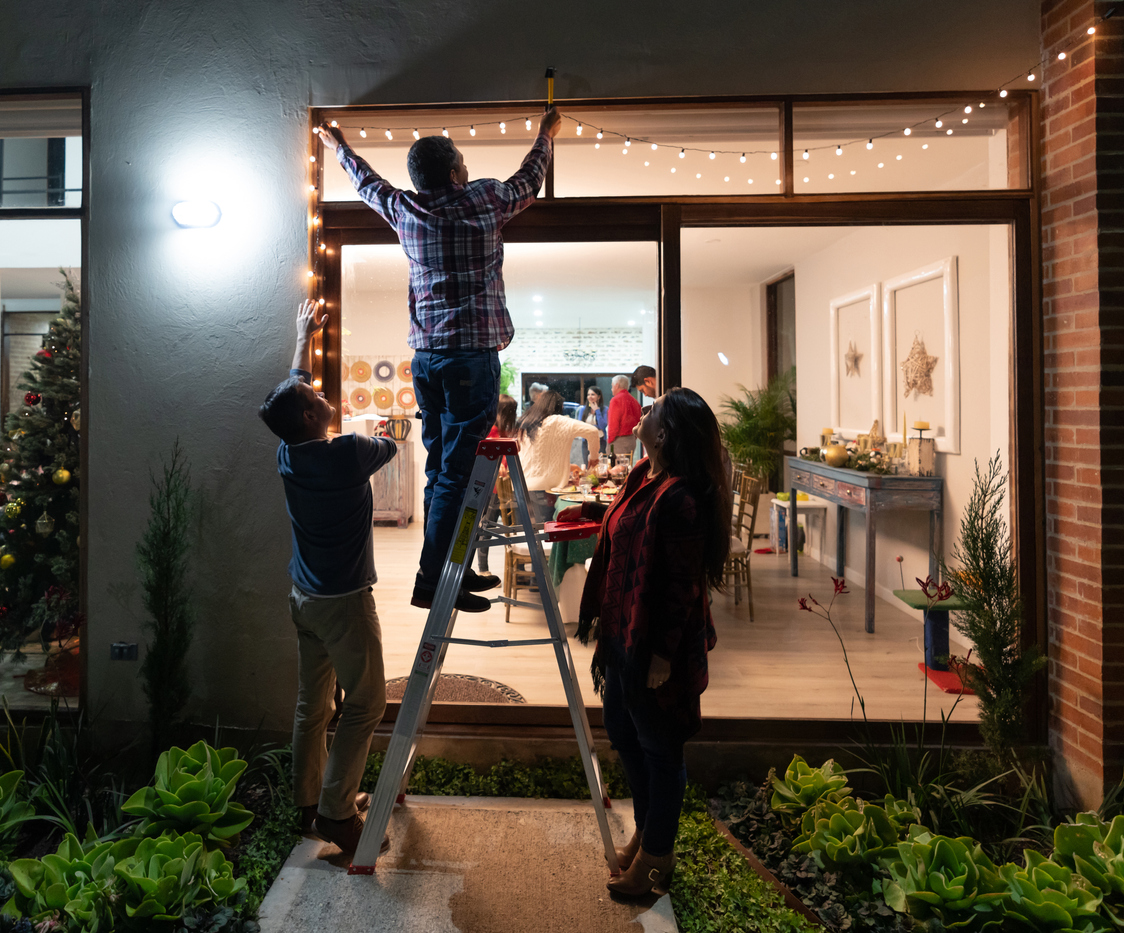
<point>45,354</point>
<point>32,398</point>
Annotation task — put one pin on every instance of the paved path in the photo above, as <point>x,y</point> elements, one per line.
<point>468,865</point>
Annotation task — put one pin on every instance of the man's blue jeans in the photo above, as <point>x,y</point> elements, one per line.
<point>652,755</point>
<point>457,392</point>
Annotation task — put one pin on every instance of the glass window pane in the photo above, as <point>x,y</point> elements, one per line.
<point>951,146</point>
<point>583,312</point>
<point>40,152</point>
<point>488,151</point>
<point>585,166</point>
<point>890,279</point>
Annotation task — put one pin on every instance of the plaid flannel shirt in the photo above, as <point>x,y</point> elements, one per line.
<point>451,236</point>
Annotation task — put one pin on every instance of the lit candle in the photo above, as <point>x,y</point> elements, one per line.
<point>921,425</point>
<point>904,436</point>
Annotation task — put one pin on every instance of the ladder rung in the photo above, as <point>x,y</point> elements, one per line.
<point>499,642</point>
<point>507,600</point>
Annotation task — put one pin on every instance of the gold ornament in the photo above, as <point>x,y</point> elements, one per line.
<point>6,561</point>
<point>61,476</point>
<point>76,419</point>
<point>852,358</point>
<point>12,509</point>
<point>917,369</point>
<point>5,468</point>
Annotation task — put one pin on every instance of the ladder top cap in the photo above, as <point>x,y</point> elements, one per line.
<point>497,447</point>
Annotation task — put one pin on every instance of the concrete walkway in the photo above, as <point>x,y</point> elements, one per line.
<point>468,865</point>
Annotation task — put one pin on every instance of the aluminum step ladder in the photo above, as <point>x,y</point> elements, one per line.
<point>473,531</point>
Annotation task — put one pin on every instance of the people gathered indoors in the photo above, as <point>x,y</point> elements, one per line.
<point>545,434</point>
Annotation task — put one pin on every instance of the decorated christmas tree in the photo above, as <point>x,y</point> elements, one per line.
<point>39,475</point>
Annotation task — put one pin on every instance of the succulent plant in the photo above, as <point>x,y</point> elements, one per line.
<point>804,786</point>
<point>14,812</point>
<point>1047,896</point>
<point>191,794</point>
<point>171,875</point>
<point>851,835</point>
<point>74,887</point>
<point>1095,850</point>
<point>951,881</point>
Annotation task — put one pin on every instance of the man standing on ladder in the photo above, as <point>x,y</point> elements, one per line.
<point>450,230</point>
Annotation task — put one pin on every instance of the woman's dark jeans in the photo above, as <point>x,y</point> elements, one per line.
<point>652,758</point>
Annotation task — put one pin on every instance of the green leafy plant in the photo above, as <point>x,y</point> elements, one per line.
<point>803,786</point>
<point>508,374</point>
<point>14,811</point>
<point>72,887</point>
<point>987,583</point>
<point>192,794</point>
<point>1094,849</point>
<point>1047,896</point>
<point>162,557</point>
<point>171,876</point>
<point>849,835</point>
<point>948,880</point>
<point>758,424</point>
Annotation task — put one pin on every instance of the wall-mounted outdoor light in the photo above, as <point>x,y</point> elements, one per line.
<point>197,213</point>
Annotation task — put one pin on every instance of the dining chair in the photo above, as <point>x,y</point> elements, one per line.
<point>747,495</point>
<point>518,572</point>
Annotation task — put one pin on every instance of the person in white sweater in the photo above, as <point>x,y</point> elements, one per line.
<point>545,434</point>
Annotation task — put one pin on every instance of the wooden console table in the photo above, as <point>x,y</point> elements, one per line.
<point>869,493</point>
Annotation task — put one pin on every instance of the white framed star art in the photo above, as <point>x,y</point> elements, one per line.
<point>855,326</point>
<point>921,349</point>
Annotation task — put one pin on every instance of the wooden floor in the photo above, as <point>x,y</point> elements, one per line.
<point>786,664</point>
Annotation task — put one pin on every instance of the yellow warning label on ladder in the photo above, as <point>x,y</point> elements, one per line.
<point>464,535</point>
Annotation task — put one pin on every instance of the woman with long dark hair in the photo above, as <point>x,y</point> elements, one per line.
<point>663,542</point>
<point>545,434</point>
<point>594,412</point>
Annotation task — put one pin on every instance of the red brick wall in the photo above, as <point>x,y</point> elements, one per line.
<point>1082,248</point>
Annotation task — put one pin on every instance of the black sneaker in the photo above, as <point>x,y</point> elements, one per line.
<point>466,601</point>
<point>478,582</point>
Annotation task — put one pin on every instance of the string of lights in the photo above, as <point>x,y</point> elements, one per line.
<point>937,121</point>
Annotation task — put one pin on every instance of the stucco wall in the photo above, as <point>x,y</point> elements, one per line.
<point>188,329</point>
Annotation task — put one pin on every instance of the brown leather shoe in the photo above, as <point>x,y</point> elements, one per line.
<point>626,854</point>
<point>648,874</point>
<point>345,834</point>
<point>308,814</point>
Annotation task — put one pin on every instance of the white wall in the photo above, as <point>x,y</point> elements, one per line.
<point>189,329</point>
<point>875,254</point>
<point>726,320</point>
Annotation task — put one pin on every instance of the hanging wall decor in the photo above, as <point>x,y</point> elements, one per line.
<point>921,346</point>
<point>856,397</point>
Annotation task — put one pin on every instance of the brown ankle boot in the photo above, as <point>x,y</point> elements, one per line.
<point>647,874</point>
<point>626,854</point>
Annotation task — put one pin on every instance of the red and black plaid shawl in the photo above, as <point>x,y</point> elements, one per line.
<point>646,594</point>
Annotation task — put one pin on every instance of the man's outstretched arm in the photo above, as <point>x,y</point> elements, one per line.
<point>307,327</point>
<point>375,190</point>
<point>522,187</point>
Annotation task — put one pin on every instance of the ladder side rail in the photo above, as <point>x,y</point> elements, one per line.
<point>566,670</point>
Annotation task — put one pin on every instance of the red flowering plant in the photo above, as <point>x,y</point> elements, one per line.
<point>811,604</point>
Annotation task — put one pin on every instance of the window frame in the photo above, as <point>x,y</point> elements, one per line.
<point>336,224</point>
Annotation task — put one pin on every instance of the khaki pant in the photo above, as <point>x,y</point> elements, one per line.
<point>338,638</point>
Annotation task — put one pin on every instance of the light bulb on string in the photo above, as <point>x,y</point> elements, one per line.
<point>334,123</point>
<point>838,150</point>
<point>655,146</point>
<point>1091,30</point>
<point>682,153</point>
<point>712,154</point>
<point>528,123</point>
<point>319,352</point>
<point>924,145</point>
<point>312,187</point>
<point>940,123</point>
<point>982,105</point>
<point>579,129</point>
<point>417,135</point>
<point>1030,77</point>
<point>1003,93</point>
<point>444,132</point>
<point>627,142</point>
<point>1061,56</point>
<point>472,131</point>
<point>742,159</point>
<point>503,127</point>
<point>599,134</point>
<point>805,155</point>
<point>321,301</point>
<point>312,158</point>
<point>389,135</point>
<point>870,143</point>
<point>773,156</point>
<point>907,131</point>
<point>948,132</point>
<point>968,109</point>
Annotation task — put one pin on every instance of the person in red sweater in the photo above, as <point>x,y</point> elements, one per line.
<point>624,415</point>
<point>663,542</point>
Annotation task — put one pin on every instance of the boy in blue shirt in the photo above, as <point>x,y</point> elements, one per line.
<point>328,496</point>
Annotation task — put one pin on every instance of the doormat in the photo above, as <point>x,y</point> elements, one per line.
<point>460,688</point>
<point>948,681</point>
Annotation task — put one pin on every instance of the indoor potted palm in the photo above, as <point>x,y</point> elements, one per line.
<point>757,426</point>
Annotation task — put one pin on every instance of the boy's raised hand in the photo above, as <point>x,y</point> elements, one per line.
<point>307,323</point>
